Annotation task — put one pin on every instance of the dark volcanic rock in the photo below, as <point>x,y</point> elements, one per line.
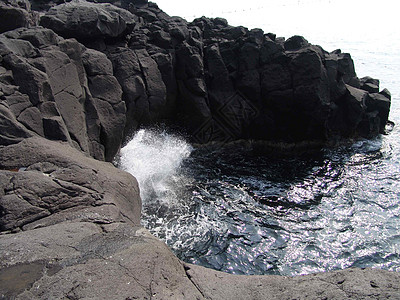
<point>106,99</point>
<point>295,43</point>
<point>85,260</point>
<point>46,182</point>
<point>85,20</point>
<point>234,83</point>
<point>369,84</point>
<point>129,75</point>
<point>12,18</point>
<point>11,130</point>
<point>216,81</point>
<point>63,91</point>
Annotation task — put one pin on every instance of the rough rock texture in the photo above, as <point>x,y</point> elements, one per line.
<point>87,20</point>
<point>214,81</point>
<point>12,18</point>
<point>83,260</point>
<point>221,83</point>
<point>15,14</point>
<point>60,90</point>
<point>69,222</point>
<point>45,182</point>
<point>346,284</point>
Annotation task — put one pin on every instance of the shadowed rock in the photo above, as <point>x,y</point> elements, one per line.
<point>12,18</point>
<point>63,91</point>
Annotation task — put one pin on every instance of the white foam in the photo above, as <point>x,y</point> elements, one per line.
<point>154,158</point>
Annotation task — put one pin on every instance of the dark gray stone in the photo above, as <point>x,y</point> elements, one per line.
<point>369,84</point>
<point>17,47</point>
<point>39,37</point>
<point>17,102</point>
<point>31,118</point>
<point>81,19</point>
<point>96,63</point>
<point>54,129</point>
<point>13,17</point>
<point>295,43</point>
<point>53,178</point>
<point>380,103</point>
<point>11,131</point>
<point>111,110</point>
<point>129,75</point>
<point>32,81</point>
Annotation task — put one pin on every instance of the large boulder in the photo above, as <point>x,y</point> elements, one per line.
<point>128,72</point>
<point>11,130</point>
<point>106,98</point>
<point>85,20</point>
<point>47,182</point>
<point>94,261</point>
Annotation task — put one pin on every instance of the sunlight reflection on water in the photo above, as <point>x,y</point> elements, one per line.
<point>251,215</point>
<point>248,214</point>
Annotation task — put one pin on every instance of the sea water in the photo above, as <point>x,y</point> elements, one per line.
<point>232,210</point>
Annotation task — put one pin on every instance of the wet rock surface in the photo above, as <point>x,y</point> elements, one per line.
<point>73,88</point>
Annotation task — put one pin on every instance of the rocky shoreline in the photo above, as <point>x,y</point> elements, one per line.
<point>76,80</point>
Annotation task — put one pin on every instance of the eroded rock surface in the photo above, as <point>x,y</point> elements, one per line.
<point>82,260</point>
<point>85,20</point>
<point>222,83</point>
<point>46,182</point>
<point>346,284</point>
<point>60,90</point>
<point>140,67</point>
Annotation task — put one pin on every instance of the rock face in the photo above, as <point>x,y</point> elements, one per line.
<point>60,90</point>
<point>214,81</point>
<point>45,182</point>
<point>73,89</point>
<point>221,83</point>
<point>15,14</point>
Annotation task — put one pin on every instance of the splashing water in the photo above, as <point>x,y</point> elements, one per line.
<point>232,210</point>
<point>154,158</point>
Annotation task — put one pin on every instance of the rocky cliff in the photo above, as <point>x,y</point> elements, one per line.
<point>93,73</point>
<point>76,79</point>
